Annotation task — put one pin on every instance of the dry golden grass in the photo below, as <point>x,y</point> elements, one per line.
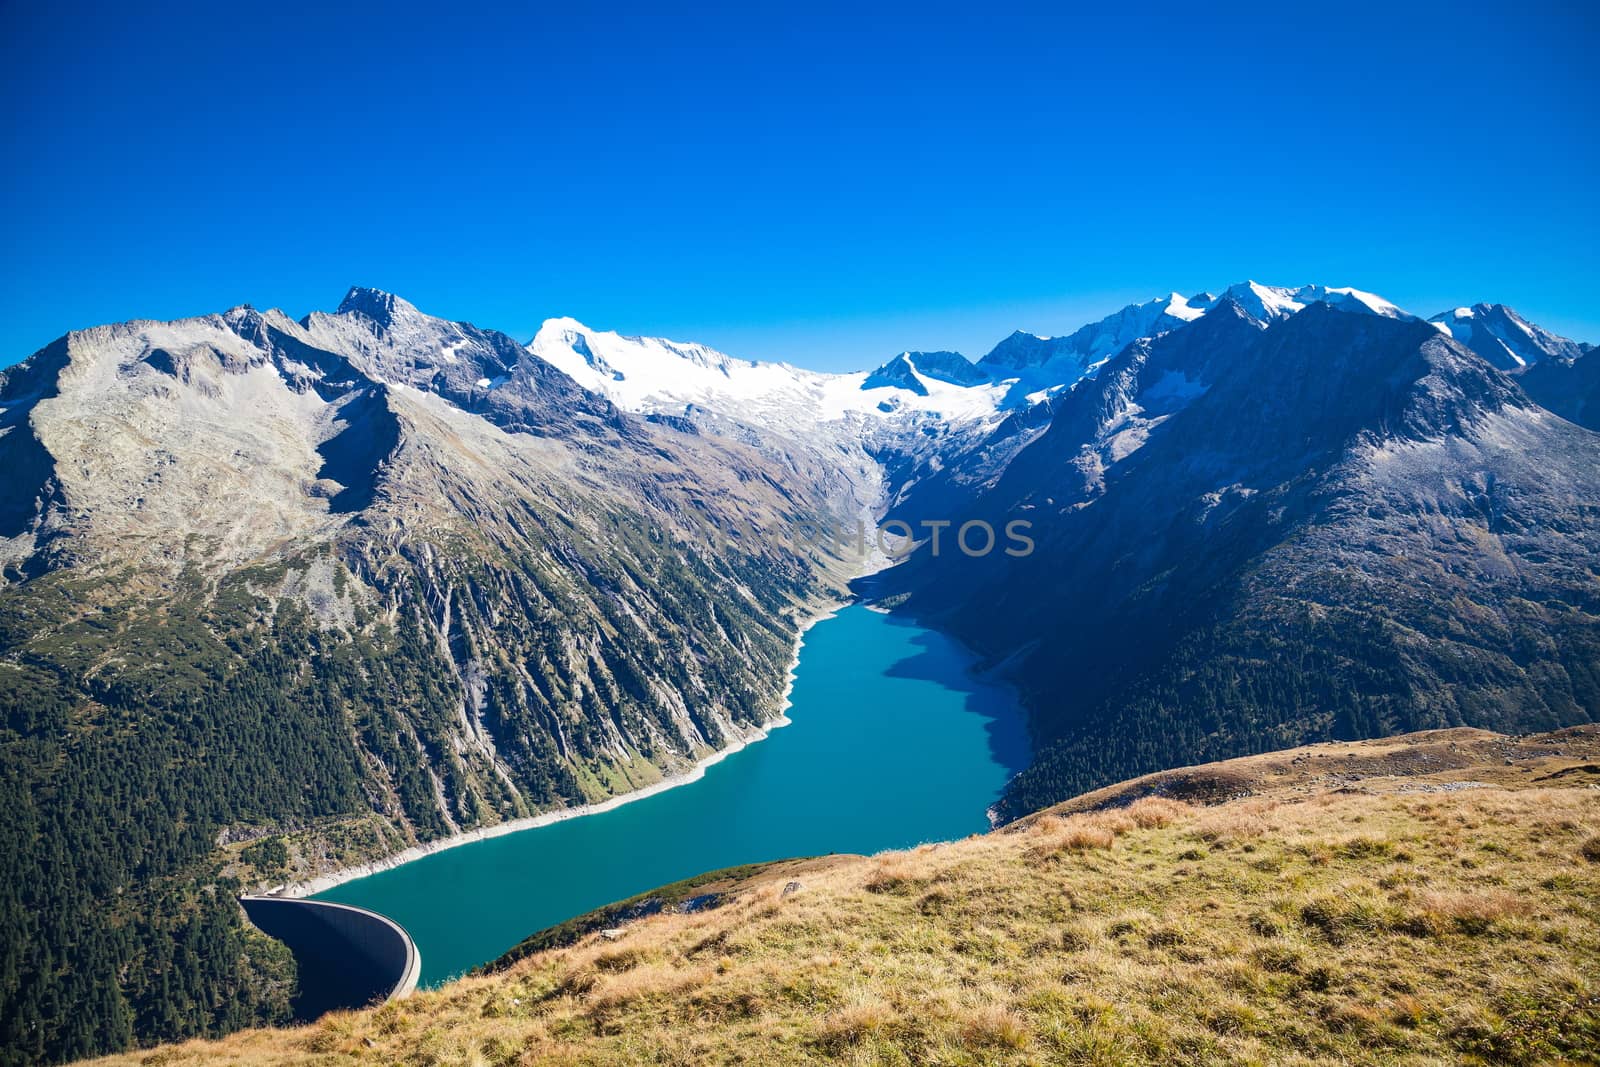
<point>1591,849</point>
<point>1334,926</point>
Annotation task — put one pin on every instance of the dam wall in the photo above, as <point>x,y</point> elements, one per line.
<point>348,957</point>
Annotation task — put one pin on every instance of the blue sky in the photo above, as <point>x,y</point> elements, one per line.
<point>826,186</point>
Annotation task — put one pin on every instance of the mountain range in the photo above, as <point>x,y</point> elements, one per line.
<point>364,580</point>
<point>1337,526</point>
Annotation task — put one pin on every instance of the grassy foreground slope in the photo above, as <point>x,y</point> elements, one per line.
<point>1429,899</point>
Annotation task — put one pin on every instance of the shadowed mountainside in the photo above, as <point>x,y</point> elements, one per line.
<point>1340,525</point>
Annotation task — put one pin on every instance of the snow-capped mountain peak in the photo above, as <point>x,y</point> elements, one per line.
<point>1064,359</point>
<point>916,370</point>
<point>1268,303</point>
<point>1187,308</point>
<point>1503,337</point>
<point>657,376</point>
<point>652,375</point>
<point>1264,302</point>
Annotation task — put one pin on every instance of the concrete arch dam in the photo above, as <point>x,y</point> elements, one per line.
<point>347,957</point>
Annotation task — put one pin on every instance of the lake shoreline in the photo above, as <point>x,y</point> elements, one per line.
<point>324,882</point>
<point>846,780</point>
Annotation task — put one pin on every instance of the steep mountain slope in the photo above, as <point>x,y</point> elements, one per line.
<point>1432,899</point>
<point>929,425</point>
<point>372,577</point>
<point>1341,525</point>
<point>938,485</point>
<point>1568,387</point>
<point>1550,368</point>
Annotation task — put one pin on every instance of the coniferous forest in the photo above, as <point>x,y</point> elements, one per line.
<point>139,742</point>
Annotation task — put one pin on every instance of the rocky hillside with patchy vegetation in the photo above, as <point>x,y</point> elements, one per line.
<point>278,597</point>
<point>1428,899</point>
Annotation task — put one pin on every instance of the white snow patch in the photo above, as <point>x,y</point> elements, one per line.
<point>1376,303</point>
<point>1180,308</point>
<point>651,374</point>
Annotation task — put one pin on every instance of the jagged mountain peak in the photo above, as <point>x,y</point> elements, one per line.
<point>1048,363</point>
<point>1263,302</point>
<point>1183,307</point>
<point>1246,396</point>
<point>909,370</point>
<point>481,371</point>
<point>242,314</point>
<point>375,304</point>
<point>1252,300</point>
<point>1090,345</point>
<point>1019,349</point>
<point>1503,337</point>
<point>253,324</point>
<point>1270,302</point>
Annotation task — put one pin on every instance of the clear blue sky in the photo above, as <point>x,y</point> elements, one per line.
<point>824,187</point>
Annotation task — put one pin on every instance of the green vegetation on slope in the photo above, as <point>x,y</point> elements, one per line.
<point>1311,667</point>
<point>131,739</point>
<point>167,748</point>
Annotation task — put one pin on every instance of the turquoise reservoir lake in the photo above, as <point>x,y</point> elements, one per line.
<point>893,742</point>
